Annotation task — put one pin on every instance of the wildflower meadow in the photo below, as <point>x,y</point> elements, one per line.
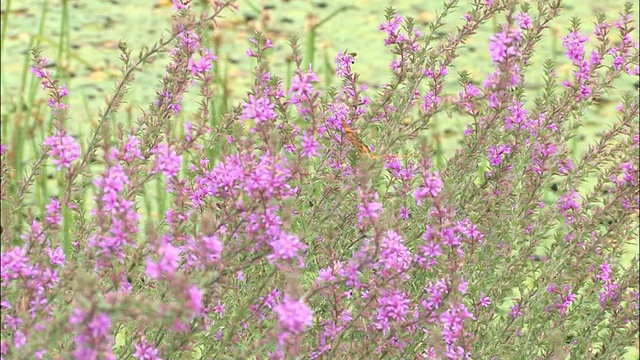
<point>305,211</point>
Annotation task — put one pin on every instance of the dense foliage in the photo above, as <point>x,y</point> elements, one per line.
<point>316,223</point>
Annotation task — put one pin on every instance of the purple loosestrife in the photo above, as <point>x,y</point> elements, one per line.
<point>167,161</point>
<point>301,89</point>
<point>568,206</point>
<point>327,227</point>
<point>343,65</point>
<point>431,188</point>
<point>452,321</point>
<point>204,252</point>
<point>505,44</point>
<point>168,261</point>
<point>565,298</point>
<point>294,316</point>
<point>392,308</point>
<point>93,340</point>
<point>144,351</point>
<point>394,256</point>
<point>573,42</point>
<point>369,209</point>
<point>53,213</point>
<point>203,65</point>
<point>260,109</point>
<point>427,253</point>
<point>496,153</point>
<point>57,92</point>
<point>309,144</point>
<point>63,149</point>
<point>285,247</point>
<point>109,242</point>
<point>391,28</point>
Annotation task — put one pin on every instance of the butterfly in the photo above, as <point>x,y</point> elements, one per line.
<point>358,144</point>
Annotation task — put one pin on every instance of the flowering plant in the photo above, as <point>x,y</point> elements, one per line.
<point>316,223</point>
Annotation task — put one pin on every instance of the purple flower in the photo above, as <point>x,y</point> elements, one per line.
<point>495,154</point>
<point>343,64</point>
<point>39,70</point>
<point>452,321</point>
<point>351,273</point>
<point>14,264</point>
<point>219,308</point>
<point>436,293</point>
<point>431,188</point>
<point>565,302</point>
<point>569,202</point>
<point>167,161</point>
<point>144,351</point>
<point>111,184</point>
<point>293,316</point>
<point>470,230</point>
<point>391,27</point>
<point>485,301</point>
<point>53,213</point>
<point>431,249</point>
<point>285,247</point>
<point>574,43</point>
<point>188,40</point>
<point>629,173</point>
<point>267,179</point>
<point>172,101</point>
<point>167,264</point>
<point>309,145</point>
<point>19,339</point>
<point>56,256</point>
<point>261,110</point>
<point>203,65</point>
<point>325,275</point>
<point>609,295</point>
<point>213,247</point>
<point>449,236</point>
<point>100,325</point>
<point>524,20</point>
<point>404,213</point>
<point>565,166</point>
<point>393,254</point>
<point>13,322</point>
<point>63,149</point>
<point>195,299</point>
<point>393,306</point>
<point>515,311</point>
<point>604,274</point>
<point>336,114</point>
<point>369,210</point>
<point>517,117</point>
<point>60,92</point>
<point>504,44</point>
<point>92,338</point>
<point>430,101</point>
<point>301,85</point>
<point>76,317</point>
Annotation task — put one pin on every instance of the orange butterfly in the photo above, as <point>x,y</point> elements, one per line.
<point>353,138</point>
<point>360,146</point>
